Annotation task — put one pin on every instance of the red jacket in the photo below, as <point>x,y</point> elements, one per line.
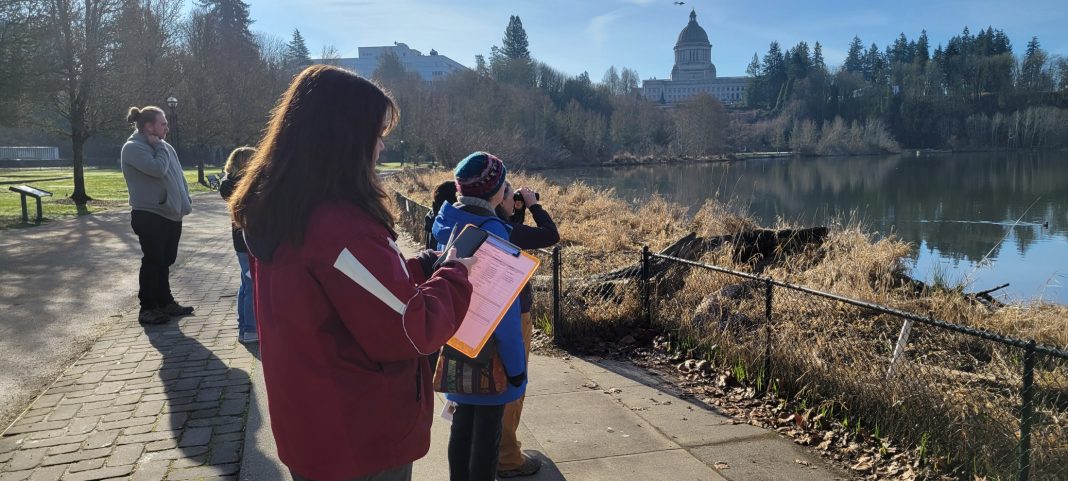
<point>344,324</point>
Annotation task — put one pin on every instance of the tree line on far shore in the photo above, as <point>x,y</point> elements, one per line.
<point>536,115</point>
<point>971,92</point>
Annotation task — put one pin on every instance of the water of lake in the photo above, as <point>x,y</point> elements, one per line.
<point>1010,209</point>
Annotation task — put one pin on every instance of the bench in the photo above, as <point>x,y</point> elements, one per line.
<point>23,191</point>
<point>213,182</point>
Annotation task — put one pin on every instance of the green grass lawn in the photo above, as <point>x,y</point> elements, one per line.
<point>105,185</point>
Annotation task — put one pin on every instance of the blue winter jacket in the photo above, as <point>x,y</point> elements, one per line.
<point>509,332</point>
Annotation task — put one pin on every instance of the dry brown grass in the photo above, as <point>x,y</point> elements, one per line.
<point>959,392</point>
<point>600,231</point>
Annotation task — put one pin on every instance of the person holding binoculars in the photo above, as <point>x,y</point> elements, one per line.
<point>512,461</point>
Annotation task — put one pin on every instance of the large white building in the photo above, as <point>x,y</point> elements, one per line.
<point>694,72</point>
<point>431,67</point>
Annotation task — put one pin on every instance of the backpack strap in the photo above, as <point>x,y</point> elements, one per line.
<point>507,228</point>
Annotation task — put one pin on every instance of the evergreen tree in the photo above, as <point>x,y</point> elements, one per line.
<point>799,61</point>
<point>854,61</point>
<point>901,52</point>
<point>1001,43</point>
<point>515,44</point>
<point>818,63</point>
<point>1033,75</point>
<point>967,42</point>
<point>232,19</point>
<point>984,43</point>
<point>774,72</point>
<point>873,64</point>
<point>296,52</point>
<point>480,66</point>
<point>923,49</point>
<point>511,63</point>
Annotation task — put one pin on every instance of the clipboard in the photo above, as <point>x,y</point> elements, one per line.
<point>496,281</point>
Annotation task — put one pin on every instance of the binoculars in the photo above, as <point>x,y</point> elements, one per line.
<point>519,197</point>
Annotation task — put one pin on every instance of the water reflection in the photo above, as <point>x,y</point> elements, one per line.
<point>1010,209</point>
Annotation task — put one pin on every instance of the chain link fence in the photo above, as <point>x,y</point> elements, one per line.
<point>971,402</point>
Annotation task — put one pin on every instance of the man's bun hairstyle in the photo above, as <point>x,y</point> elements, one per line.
<point>141,116</point>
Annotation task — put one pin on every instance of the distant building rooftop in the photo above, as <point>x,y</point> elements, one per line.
<point>430,67</point>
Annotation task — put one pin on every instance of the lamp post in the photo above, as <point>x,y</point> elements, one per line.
<point>172,102</point>
<point>402,153</point>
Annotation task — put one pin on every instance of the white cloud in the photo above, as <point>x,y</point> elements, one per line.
<point>599,26</point>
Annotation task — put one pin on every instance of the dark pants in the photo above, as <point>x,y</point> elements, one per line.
<point>473,444</point>
<point>159,245</point>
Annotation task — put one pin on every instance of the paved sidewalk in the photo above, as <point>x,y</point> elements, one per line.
<point>148,403</point>
<point>596,419</point>
<point>185,401</point>
<point>62,283</point>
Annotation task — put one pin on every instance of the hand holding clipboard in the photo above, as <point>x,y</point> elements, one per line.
<point>496,280</point>
<point>468,244</point>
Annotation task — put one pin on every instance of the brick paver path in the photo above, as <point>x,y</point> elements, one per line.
<point>147,403</point>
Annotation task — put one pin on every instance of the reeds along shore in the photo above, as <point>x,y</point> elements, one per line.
<point>955,397</point>
<point>600,231</point>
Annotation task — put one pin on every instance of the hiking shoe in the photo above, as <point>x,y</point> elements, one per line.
<point>153,316</point>
<point>175,309</point>
<point>248,337</point>
<point>530,466</point>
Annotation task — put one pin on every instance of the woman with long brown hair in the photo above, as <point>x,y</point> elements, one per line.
<point>345,321</point>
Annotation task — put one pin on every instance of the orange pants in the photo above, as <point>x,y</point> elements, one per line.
<point>511,453</point>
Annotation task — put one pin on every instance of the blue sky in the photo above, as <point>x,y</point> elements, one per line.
<point>591,35</point>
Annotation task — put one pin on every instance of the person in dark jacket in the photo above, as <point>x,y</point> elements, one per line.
<point>476,424</point>
<point>444,193</point>
<point>246,317</point>
<point>513,462</point>
<point>345,320</point>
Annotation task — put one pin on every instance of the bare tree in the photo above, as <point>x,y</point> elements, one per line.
<point>329,55</point>
<point>80,35</point>
<point>700,124</point>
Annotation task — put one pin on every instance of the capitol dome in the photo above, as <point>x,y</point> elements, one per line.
<point>693,33</point>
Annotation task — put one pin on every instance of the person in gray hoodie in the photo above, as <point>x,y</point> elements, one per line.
<point>160,199</point>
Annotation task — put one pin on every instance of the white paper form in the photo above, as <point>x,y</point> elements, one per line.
<point>496,280</point>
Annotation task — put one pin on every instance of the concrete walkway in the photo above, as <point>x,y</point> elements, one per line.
<point>185,401</point>
<point>597,420</point>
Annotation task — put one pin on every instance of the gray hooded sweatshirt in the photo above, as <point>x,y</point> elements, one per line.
<point>155,178</point>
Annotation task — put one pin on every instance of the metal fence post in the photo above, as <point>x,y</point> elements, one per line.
<point>558,335</point>
<point>767,332</point>
<point>1027,398</point>
<point>647,314</point>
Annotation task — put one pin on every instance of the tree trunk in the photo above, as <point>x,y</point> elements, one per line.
<point>79,196</point>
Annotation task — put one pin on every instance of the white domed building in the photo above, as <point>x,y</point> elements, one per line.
<point>695,73</point>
